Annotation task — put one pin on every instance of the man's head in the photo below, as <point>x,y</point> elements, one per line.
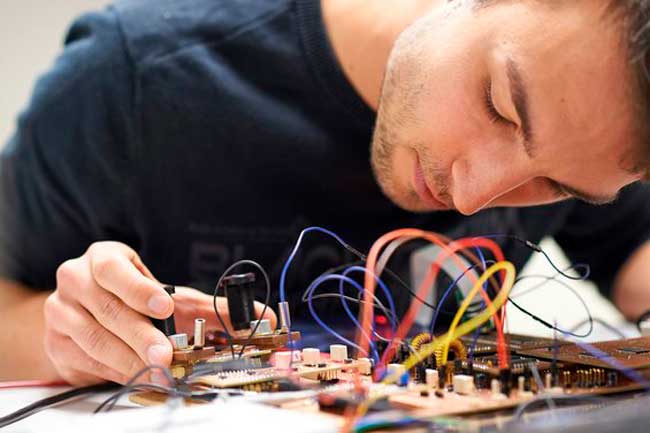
<point>514,103</point>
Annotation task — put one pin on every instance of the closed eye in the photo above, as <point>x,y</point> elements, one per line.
<point>493,113</point>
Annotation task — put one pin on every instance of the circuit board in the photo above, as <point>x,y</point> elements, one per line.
<point>563,369</point>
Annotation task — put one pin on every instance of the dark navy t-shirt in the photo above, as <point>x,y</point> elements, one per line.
<point>201,132</point>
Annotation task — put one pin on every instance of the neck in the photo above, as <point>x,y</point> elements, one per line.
<point>362,34</point>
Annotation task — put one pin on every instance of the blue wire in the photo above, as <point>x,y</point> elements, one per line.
<point>380,283</point>
<point>310,304</point>
<point>285,269</point>
<point>449,290</point>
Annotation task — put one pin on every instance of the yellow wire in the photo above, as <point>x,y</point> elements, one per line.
<point>505,289</point>
<point>456,331</point>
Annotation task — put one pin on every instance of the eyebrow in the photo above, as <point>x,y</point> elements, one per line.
<point>520,100</point>
<point>582,195</point>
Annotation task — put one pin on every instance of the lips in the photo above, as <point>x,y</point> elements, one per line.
<point>422,188</point>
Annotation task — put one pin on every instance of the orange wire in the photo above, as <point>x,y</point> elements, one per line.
<point>370,283</point>
<point>409,317</point>
<point>371,261</point>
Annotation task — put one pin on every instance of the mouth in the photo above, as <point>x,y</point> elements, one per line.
<point>422,189</point>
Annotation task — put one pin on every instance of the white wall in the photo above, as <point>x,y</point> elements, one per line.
<point>31,35</point>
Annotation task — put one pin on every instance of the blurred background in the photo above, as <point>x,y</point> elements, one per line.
<point>31,35</point>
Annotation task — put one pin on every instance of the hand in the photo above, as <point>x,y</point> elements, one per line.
<point>97,325</point>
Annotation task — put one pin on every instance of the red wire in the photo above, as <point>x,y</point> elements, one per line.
<point>32,384</point>
<point>409,317</point>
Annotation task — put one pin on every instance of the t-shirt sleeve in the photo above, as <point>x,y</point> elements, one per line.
<point>604,237</point>
<point>64,174</point>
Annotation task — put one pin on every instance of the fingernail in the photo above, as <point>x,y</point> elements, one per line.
<point>157,354</point>
<point>159,304</point>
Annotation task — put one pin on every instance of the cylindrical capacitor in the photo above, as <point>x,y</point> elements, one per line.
<point>495,387</point>
<point>178,341</point>
<point>365,366</point>
<point>311,356</point>
<point>199,333</point>
<point>261,327</point>
<point>282,360</point>
<point>240,292</point>
<point>285,317</point>
<point>521,384</point>
<point>166,326</point>
<point>431,378</point>
<point>338,352</point>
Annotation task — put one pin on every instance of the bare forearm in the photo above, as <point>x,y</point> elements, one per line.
<point>632,285</point>
<point>22,354</point>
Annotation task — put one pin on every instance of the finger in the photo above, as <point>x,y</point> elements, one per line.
<point>77,367</point>
<point>136,330</point>
<point>268,314</point>
<point>95,340</point>
<point>114,270</point>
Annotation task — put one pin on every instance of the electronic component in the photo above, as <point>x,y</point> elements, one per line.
<point>311,356</point>
<point>179,341</point>
<point>263,327</point>
<point>199,333</point>
<point>432,379</point>
<point>365,366</point>
<point>166,326</point>
<point>285,317</point>
<point>282,360</point>
<point>240,292</point>
<point>338,352</point>
<point>463,384</point>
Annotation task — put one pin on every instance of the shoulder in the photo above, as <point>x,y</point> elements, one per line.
<point>94,57</point>
<point>155,28</point>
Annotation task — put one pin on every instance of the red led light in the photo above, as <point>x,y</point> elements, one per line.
<point>381,320</point>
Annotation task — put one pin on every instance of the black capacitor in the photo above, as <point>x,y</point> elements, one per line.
<point>505,377</point>
<point>240,292</point>
<point>442,376</point>
<point>419,373</point>
<point>481,380</point>
<point>166,326</point>
<point>458,366</point>
<point>612,379</point>
<point>527,380</point>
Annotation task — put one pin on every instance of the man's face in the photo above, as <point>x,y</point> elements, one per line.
<point>515,103</point>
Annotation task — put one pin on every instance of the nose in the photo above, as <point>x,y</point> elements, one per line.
<point>475,186</point>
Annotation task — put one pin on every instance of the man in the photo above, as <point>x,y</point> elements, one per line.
<point>172,138</point>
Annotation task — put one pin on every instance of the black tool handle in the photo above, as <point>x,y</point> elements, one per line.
<point>166,326</point>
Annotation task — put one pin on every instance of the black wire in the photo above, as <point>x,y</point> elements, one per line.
<point>603,323</point>
<point>536,248</point>
<point>550,326</point>
<point>392,274</point>
<point>589,319</point>
<point>130,384</point>
<point>54,400</point>
<point>266,302</point>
